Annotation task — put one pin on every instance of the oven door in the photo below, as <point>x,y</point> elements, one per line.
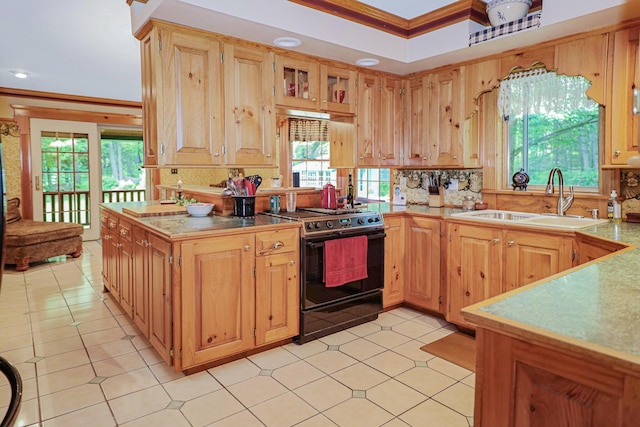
<point>315,293</point>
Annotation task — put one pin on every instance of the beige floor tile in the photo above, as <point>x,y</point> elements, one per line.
<point>395,397</point>
<point>324,393</point>
<point>317,421</point>
<point>433,336</point>
<point>14,320</point>
<point>128,382</point>
<point>387,339</point>
<point>426,380</point>
<point>150,356</point>
<point>63,380</point>
<point>388,319</point>
<point>86,327</point>
<point>273,359</point>
<point>338,338</point>
<point>330,361</point>
<point>63,345</point>
<point>297,374</point>
<point>256,390</point>
<point>365,329</point>
<point>470,380</point>
<point>437,414</point>
<point>359,377</point>
<point>211,407</point>
<point>235,372</point>
<point>358,413</point>
<point>406,313</point>
<point>41,337</point>
<point>412,329</point>
<point>396,423</point>
<point>361,349</point>
<point>99,416</point>
<point>49,314</point>
<point>306,350</point>
<point>139,404</point>
<point>118,365</point>
<point>434,322</point>
<point>82,299</point>
<point>29,413</point>
<point>29,389</point>
<point>110,349</point>
<point>450,369</point>
<point>164,373</point>
<point>62,361</point>
<point>7,344</point>
<point>411,350</point>
<point>69,400</point>
<point>390,363</point>
<point>101,337</point>
<point>458,397</point>
<point>163,418</point>
<point>19,355</point>
<point>283,411</point>
<point>192,386</point>
<point>21,329</point>
<point>241,419</point>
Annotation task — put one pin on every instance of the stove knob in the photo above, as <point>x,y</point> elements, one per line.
<point>377,219</point>
<point>360,221</point>
<point>316,225</point>
<point>309,226</point>
<point>329,224</point>
<point>370,220</point>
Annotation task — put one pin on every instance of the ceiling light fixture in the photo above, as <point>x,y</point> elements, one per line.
<point>287,42</point>
<point>20,74</point>
<point>367,62</point>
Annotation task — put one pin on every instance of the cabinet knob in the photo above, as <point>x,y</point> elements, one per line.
<point>292,262</point>
<point>216,154</point>
<point>467,293</point>
<point>277,244</point>
<point>314,99</point>
<point>424,158</point>
<point>495,241</point>
<point>247,247</point>
<point>269,155</point>
<point>123,231</point>
<point>511,243</point>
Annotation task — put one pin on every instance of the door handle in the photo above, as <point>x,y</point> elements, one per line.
<point>37,183</point>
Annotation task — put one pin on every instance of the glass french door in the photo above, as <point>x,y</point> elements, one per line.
<point>66,173</point>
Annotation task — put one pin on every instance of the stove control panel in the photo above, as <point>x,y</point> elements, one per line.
<point>334,223</point>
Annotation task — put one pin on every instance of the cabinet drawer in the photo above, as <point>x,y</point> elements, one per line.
<point>124,230</point>
<point>278,241</point>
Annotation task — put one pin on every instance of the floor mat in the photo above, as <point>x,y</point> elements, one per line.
<point>457,348</point>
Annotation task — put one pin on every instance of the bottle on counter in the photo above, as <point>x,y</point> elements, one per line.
<point>350,192</point>
<point>613,201</point>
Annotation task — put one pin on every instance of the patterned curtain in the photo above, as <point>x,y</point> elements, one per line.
<point>308,130</point>
<point>541,91</point>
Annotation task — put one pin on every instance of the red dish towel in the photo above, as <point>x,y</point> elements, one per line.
<point>345,260</point>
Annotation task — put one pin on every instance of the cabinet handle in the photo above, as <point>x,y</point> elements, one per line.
<point>292,262</point>
<point>37,183</point>
<point>216,154</point>
<point>268,155</point>
<point>123,232</point>
<point>424,158</point>
<point>616,153</point>
<point>511,243</point>
<point>277,244</point>
<point>495,241</point>
<point>147,243</point>
<point>314,99</point>
<point>247,247</point>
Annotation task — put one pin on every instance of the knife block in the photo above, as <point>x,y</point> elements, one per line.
<point>437,200</point>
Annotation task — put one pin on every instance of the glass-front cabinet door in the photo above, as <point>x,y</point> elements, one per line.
<point>297,83</point>
<point>338,89</point>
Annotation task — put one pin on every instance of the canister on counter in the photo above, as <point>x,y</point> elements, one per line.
<point>274,204</point>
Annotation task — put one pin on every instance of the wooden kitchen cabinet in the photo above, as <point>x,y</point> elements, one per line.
<point>277,286</point>
<point>108,259</point>
<point>182,93</point>
<point>218,306</point>
<point>422,282</point>
<point>342,134</point>
<point>338,89</point>
<point>113,254</point>
<point>445,118</point>
<point>379,118</point>
<point>297,83</point>
<point>475,260</point>
<point>394,261</point>
<point>524,383</point>
<point>486,261</point>
<point>416,124</point>
<point>250,120</point>
<point>141,279</point>
<point>590,248</point>
<point>534,256</point>
<point>621,125</point>
<point>125,266</point>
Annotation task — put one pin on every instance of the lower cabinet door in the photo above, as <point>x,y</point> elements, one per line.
<point>218,305</point>
<point>160,298</point>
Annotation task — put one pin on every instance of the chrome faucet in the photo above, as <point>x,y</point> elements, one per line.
<point>563,203</point>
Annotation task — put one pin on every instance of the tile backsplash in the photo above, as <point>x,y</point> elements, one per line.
<point>457,184</point>
<point>630,191</point>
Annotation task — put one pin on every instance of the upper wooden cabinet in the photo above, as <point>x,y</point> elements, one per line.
<point>342,133</point>
<point>621,132</point>
<point>337,89</point>
<point>380,120</point>
<point>416,122</point>
<point>297,83</point>
<point>250,120</point>
<point>189,120</point>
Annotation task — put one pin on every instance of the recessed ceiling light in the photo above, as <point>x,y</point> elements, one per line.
<point>287,42</point>
<point>367,62</point>
<point>20,74</point>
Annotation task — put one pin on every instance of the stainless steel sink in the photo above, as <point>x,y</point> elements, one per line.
<point>532,219</point>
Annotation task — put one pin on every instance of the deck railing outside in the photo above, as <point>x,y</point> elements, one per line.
<point>75,206</point>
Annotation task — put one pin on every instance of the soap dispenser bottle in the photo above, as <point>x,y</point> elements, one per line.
<point>611,205</point>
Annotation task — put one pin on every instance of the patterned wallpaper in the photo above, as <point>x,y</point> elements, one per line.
<point>630,191</point>
<point>11,157</point>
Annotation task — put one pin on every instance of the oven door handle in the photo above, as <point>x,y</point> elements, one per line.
<point>377,235</point>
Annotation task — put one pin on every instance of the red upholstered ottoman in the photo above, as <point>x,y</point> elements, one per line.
<point>28,241</point>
